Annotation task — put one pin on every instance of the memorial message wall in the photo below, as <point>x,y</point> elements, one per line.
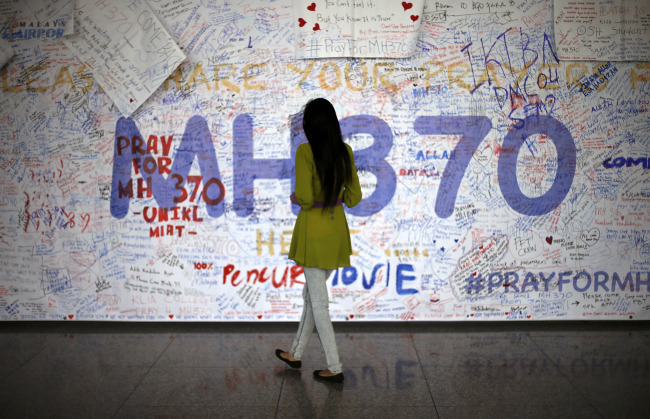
<point>145,170</point>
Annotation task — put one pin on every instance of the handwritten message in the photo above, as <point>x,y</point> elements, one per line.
<point>602,30</point>
<point>356,28</point>
<point>126,48</point>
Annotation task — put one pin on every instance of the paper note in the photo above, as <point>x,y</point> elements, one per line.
<point>467,15</point>
<point>357,28</point>
<point>602,30</point>
<point>126,48</point>
<point>53,10</point>
<point>35,19</point>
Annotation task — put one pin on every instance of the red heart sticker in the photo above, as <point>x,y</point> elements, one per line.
<point>131,100</point>
<point>406,5</point>
<point>507,312</point>
<point>414,17</point>
<point>352,316</point>
<point>302,22</point>
<point>528,316</point>
<point>311,7</point>
<point>549,240</point>
<point>259,316</point>
<point>316,27</point>
<point>171,316</point>
<point>70,316</point>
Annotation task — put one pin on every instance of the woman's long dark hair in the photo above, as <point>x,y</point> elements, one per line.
<point>331,156</point>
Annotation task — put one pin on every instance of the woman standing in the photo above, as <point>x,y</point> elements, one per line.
<point>326,177</point>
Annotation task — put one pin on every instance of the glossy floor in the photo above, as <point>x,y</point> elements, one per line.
<point>393,370</point>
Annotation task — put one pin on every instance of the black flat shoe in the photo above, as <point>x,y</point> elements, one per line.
<point>292,364</point>
<point>336,378</point>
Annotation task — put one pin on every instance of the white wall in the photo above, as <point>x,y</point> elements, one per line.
<point>543,222</point>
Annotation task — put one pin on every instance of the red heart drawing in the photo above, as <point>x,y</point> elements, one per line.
<point>507,312</point>
<point>259,316</point>
<point>414,17</point>
<point>472,314</point>
<point>70,316</point>
<point>352,316</point>
<point>302,22</point>
<point>131,100</point>
<point>316,27</point>
<point>474,274</point>
<point>311,7</point>
<point>528,316</point>
<point>480,247</point>
<point>549,240</point>
<point>406,5</point>
<point>171,316</point>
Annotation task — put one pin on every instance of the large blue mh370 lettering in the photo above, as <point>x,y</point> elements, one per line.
<point>165,181</point>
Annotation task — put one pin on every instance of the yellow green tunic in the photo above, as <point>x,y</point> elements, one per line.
<point>321,238</point>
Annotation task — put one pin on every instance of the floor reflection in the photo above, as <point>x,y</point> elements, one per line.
<point>395,370</point>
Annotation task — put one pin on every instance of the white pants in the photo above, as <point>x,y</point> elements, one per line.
<point>315,313</point>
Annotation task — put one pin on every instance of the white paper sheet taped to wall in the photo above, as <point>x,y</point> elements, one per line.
<point>126,48</point>
<point>356,28</point>
<point>25,20</point>
<point>52,10</point>
<point>602,30</point>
